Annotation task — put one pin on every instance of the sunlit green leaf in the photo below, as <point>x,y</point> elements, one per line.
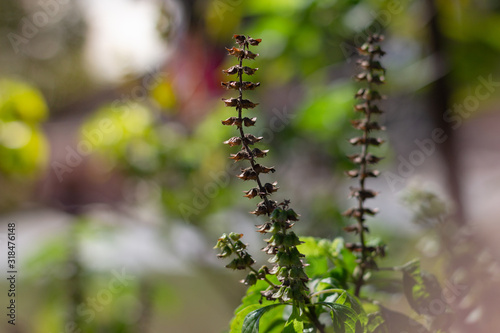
<point>345,319</point>
<point>252,319</point>
<point>237,322</point>
<point>294,324</point>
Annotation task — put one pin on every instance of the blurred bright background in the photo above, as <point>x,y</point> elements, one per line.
<point>113,169</point>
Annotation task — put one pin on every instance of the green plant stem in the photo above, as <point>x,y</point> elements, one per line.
<point>327,291</point>
<point>313,317</point>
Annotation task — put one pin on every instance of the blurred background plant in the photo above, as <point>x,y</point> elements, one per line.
<point>111,162</point>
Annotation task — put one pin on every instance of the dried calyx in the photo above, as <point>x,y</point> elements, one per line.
<point>372,75</point>
<point>245,141</point>
<point>286,260</point>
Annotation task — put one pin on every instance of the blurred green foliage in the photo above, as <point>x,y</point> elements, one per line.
<point>23,146</point>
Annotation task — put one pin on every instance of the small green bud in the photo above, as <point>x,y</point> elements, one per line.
<point>248,260</point>
<point>226,252</point>
<point>291,240</point>
<point>276,239</point>
<point>237,263</point>
<point>291,215</point>
<point>263,271</point>
<point>221,242</point>
<point>235,237</point>
<point>276,213</point>
<point>239,245</point>
<point>298,274</point>
<point>250,280</point>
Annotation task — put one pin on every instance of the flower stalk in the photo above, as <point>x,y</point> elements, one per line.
<point>372,75</point>
<point>286,260</point>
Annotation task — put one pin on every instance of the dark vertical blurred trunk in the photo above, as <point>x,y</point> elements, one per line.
<point>440,102</point>
<point>146,299</point>
<point>75,282</point>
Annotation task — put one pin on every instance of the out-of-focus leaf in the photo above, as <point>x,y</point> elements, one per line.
<point>316,258</point>
<point>328,259</point>
<point>23,146</point>
<point>21,101</point>
<point>309,328</point>
<point>352,302</point>
<point>164,94</point>
<point>278,7</point>
<point>376,324</point>
<point>420,289</point>
<point>398,322</point>
<point>326,114</point>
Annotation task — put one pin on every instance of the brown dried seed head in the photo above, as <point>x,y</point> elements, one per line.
<point>240,39</point>
<point>241,155</point>
<point>271,188</point>
<point>365,108</point>
<point>352,228</point>
<point>254,42</point>
<point>259,153</point>
<point>375,38</point>
<point>250,85</point>
<point>352,173</point>
<point>246,104</point>
<point>249,122</point>
<point>234,141</point>
<point>252,193</point>
<point>363,125</point>
<point>233,121</point>
<point>229,121</point>
<point>372,159</point>
<point>248,174</point>
<point>236,85</point>
<point>371,65</point>
<point>263,169</point>
<point>368,48</point>
<point>240,53</point>
<point>231,101</point>
<point>260,210</point>
<point>363,194</point>
<point>356,212</point>
<point>230,85</point>
<point>361,141</point>
<point>231,70</point>
<point>264,228</point>
<point>368,94</point>
<point>249,71</point>
<point>250,55</point>
<point>251,139</point>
